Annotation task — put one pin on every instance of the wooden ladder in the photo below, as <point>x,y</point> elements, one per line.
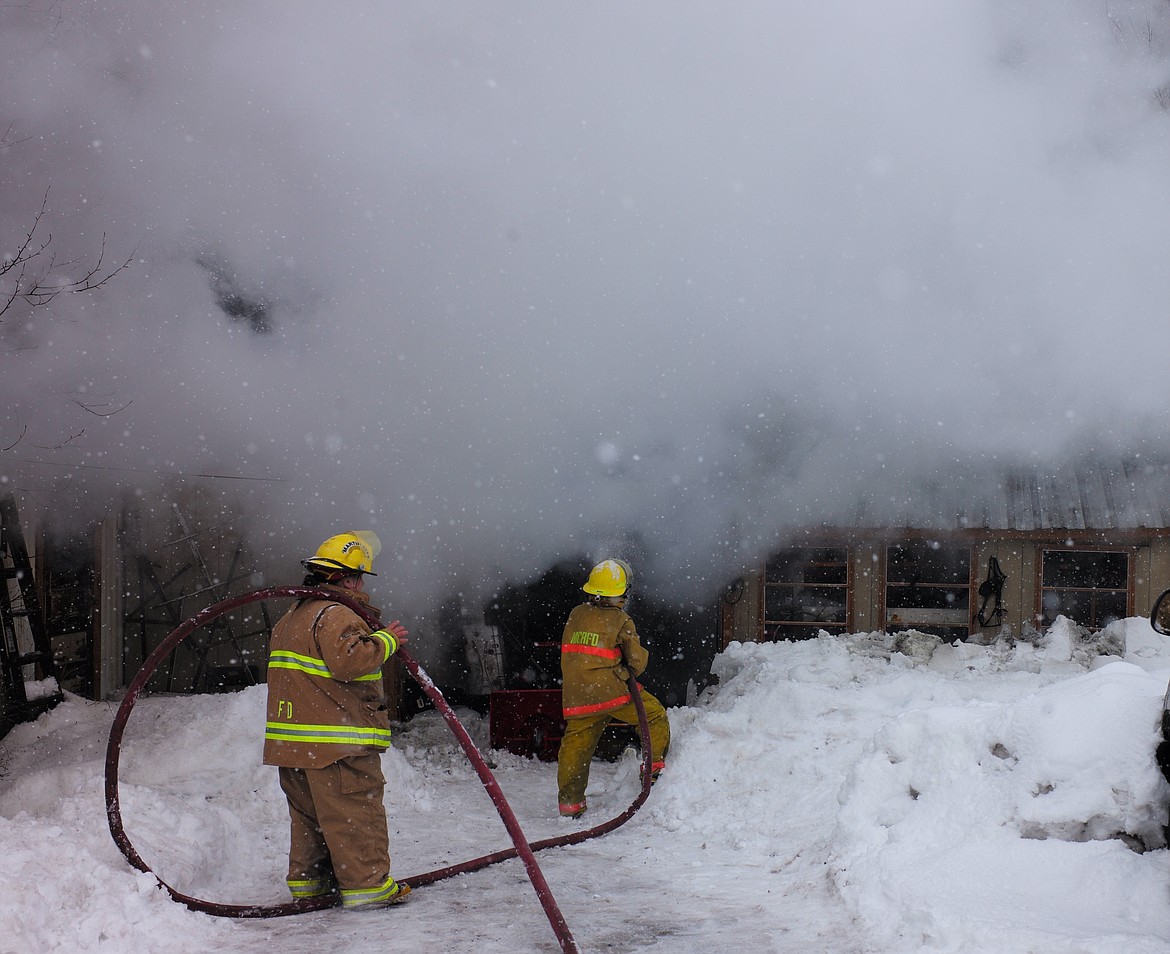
<point>19,603</point>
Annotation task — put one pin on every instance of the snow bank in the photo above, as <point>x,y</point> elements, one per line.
<point>836,794</point>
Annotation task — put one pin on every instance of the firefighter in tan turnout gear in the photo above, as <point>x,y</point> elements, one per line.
<point>599,651</point>
<point>327,728</point>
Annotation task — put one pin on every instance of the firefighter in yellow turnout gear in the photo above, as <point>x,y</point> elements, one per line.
<point>599,651</point>
<point>327,727</point>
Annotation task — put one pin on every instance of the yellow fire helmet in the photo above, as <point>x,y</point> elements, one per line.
<point>608,578</point>
<point>349,552</point>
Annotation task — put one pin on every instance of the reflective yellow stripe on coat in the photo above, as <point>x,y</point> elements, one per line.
<point>284,659</point>
<point>328,734</point>
<point>321,734</point>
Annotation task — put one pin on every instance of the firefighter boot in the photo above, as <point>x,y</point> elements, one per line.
<point>394,892</point>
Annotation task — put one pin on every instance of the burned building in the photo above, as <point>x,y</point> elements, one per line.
<point>1090,542</point>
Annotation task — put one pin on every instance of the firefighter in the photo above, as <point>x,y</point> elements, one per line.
<point>599,651</point>
<point>327,728</point>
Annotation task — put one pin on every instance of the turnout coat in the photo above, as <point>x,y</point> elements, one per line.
<point>326,701</point>
<point>599,651</point>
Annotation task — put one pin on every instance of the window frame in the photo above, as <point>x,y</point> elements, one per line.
<point>781,630</point>
<point>942,622</point>
<point>1093,625</point>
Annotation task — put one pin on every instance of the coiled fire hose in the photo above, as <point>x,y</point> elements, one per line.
<point>521,847</point>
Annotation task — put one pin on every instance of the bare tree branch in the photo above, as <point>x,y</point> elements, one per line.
<point>24,252</point>
<point>5,141</point>
<point>32,277</point>
<point>23,431</point>
<point>90,408</point>
<point>69,439</point>
<point>33,266</point>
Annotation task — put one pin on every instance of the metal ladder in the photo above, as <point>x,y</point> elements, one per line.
<point>20,602</point>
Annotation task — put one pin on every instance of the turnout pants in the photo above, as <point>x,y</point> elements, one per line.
<point>338,832</point>
<point>584,732</point>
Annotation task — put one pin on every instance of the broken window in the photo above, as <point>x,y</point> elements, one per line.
<point>928,588</point>
<point>806,590</point>
<point>1088,586</point>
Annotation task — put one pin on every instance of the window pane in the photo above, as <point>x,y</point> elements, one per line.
<point>1110,607</point>
<point>774,633</point>
<point>804,604</point>
<point>808,565</point>
<point>836,573</point>
<point>1085,568</point>
<point>928,562</point>
<point>780,603</point>
<point>1091,608</point>
<point>926,597</point>
<point>1065,603</point>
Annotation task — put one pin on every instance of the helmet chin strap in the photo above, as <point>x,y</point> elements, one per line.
<point>611,600</point>
<point>320,574</point>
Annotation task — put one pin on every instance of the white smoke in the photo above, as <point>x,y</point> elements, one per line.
<point>504,283</point>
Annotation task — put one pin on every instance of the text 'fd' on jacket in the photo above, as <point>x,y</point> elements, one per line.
<point>599,651</point>
<point>326,701</point>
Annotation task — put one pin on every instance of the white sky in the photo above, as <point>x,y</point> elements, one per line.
<point>540,275</point>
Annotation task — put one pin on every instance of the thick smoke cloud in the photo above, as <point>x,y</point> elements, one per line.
<point>510,283</point>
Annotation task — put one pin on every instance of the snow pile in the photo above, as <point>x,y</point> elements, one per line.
<point>837,794</point>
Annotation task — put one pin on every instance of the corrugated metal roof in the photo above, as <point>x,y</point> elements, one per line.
<point>1092,493</point>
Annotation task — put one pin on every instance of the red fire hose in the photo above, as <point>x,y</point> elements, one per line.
<point>520,848</point>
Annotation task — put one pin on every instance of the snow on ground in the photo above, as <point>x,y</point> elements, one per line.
<point>844,794</point>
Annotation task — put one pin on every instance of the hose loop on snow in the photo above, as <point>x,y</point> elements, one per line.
<point>521,848</point>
